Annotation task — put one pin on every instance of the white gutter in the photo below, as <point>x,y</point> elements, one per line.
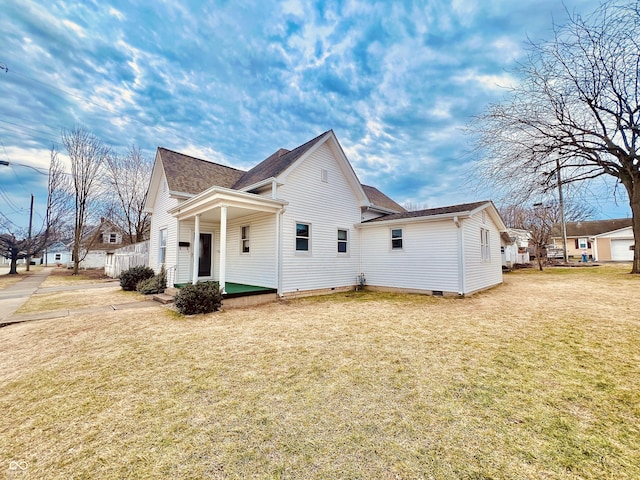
<point>261,183</point>
<point>376,208</point>
<point>428,218</point>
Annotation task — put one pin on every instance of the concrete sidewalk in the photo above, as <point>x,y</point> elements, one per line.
<point>14,296</point>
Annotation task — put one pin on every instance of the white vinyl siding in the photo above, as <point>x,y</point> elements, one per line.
<point>481,272</point>
<point>161,219</point>
<point>327,207</point>
<point>260,267</point>
<point>429,259</point>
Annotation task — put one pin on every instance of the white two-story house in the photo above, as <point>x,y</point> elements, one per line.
<point>300,222</point>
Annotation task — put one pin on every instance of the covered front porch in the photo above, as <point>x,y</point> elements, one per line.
<point>230,237</point>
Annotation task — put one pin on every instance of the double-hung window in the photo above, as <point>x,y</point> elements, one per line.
<point>485,250</point>
<point>396,238</point>
<point>244,234</point>
<point>343,241</point>
<point>162,246</point>
<point>303,237</point>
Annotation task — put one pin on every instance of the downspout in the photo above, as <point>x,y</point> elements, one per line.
<point>461,266</point>
<point>279,252</point>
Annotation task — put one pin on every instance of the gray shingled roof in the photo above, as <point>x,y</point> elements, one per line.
<point>275,164</point>
<point>379,199</point>
<point>464,207</point>
<point>591,228</point>
<point>192,175</point>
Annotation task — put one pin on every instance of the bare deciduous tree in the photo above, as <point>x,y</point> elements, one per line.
<point>87,154</point>
<point>59,201</point>
<point>576,111</point>
<point>128,176</point>
<point>17,243</point>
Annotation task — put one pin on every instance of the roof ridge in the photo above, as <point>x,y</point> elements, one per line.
<point>275,163</point>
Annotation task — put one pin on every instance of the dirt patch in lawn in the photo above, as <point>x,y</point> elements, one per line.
<point>65,276</point>
<point>534,379</point>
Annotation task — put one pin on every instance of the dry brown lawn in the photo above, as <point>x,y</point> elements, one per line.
<point>65,276</point>
<point>79,299</point>
<point>538,378</point>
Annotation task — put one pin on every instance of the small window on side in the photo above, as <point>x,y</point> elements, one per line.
<point>343,241</point>
<point>244,234</point>
<point>396,238</point>
<point>303,237</point>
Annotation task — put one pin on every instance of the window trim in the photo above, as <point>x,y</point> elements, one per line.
<point>400,238</point>
<point>344,241</point>
<point>246,239</point>
<point>308,238</point>
<point>485,245</point>
<point>162,246</point>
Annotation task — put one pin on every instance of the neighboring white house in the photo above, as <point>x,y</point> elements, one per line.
<point>514,247</point>
<point>300,222</point>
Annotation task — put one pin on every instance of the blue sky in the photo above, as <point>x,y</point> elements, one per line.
<point>233,81</point>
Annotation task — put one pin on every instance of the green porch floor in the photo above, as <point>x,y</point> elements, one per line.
<point>240,289</point>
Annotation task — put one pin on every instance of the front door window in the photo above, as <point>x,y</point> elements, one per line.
<point>204,261</point>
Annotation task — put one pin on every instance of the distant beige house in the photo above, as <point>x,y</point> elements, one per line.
<point>603,240</point>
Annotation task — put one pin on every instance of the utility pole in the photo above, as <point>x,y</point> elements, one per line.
<point>562,222</point>
<point>29,239</point>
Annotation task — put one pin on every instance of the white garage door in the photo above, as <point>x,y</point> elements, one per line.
<point>620,250</point>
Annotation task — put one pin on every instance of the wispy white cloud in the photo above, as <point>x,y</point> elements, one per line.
<point>234,81</point>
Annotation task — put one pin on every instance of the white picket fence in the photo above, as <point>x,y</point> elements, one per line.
<point>126,257</point>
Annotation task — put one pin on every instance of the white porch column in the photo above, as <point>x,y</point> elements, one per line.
<point>223,246</point>
<point>196,250</point>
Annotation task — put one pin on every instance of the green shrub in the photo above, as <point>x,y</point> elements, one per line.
<point>203,297</point>
<point>129,279</point>
<point>155,284</point>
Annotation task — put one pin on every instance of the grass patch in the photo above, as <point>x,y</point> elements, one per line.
<point>69,300</point>
<point>534,379</point>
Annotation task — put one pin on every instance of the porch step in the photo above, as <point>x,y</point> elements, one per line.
<point>171,291</point>
<point>163,298</point>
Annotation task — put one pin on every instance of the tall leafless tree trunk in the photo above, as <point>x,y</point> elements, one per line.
<point>128,176</point>
<point>577,109</point>
<point>87,155</point>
